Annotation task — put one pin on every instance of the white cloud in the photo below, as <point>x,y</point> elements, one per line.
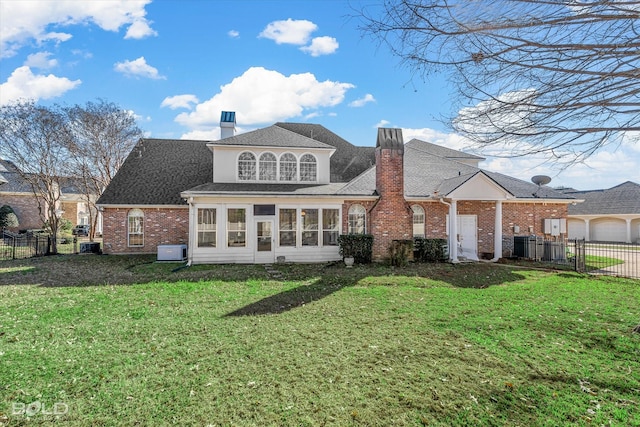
<point>23,21</point>
<point>383,123</point>
<point>140,29</point>
<point>262,96</point>
<point>180,101</point>
<point>233,34</point>
<point>23,84</point>
<point>41,60</point>
<point>321,46</point>
<point>362,101</point>
<point>138,68</point>
<point>291,31</point>
<point>449,140</point>
<point>203,135</point>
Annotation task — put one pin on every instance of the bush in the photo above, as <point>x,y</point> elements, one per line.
<point>8,218</point>
<point>358,246</point>
<point>430,250</point>
<point>400,251</point>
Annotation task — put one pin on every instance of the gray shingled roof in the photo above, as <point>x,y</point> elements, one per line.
<point>268,189</point>
<point>621,199</point>
<point>447,153</point>
<point>348,161</point>
<point>427,173</point>
<point>272,136</point>
<point>14,181</point>
<point>157,170</point>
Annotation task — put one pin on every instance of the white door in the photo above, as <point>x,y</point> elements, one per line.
<point>264,241</point>
<point>468,237</point>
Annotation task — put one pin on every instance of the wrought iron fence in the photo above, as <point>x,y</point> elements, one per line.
<point>615,259</point>
<point>28,245</point>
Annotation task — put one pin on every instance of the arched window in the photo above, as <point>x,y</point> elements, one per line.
<point>268,167</point>
<point>135,228</point>
<point>418,221</point>
<point>288,167</point>
<point>308,168</point>
<point>247,167</point>
<point>357,220</point>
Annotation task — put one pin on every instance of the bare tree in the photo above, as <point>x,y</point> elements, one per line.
<point>36,138</point>
<point>104,135</point>
<point>532,76</point>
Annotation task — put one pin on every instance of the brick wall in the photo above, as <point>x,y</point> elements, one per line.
<point>25,208</point>
<point>391,217</point>
<point>70,211</point>
<point>162,226</point>
<point>530,218</point>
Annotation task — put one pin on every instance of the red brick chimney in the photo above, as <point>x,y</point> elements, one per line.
<point>391,217</point>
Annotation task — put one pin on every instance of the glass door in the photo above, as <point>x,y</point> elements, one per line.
<point>264,241</point>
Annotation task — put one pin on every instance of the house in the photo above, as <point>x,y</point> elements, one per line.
<point>273,194</point>
<point>17,193</point>
<point>610,215</point>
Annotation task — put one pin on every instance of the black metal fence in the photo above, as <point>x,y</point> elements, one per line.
<point>28,245</point>
<point>615,259</point>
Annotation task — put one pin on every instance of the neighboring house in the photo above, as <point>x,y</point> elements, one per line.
<point>269,195</point>
<point>611,215</point>
<point>18,194</point>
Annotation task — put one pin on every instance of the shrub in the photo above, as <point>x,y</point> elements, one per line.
<point>400,251</point>
<point>430,250</point>
<point>358,246</point>
<point>8,218</point>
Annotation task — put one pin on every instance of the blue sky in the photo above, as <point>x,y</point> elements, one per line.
<point>177,64</point>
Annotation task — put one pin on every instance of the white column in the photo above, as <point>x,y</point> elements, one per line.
<point>497,233</point>
<point>628,230</point>
<point>453,231</point>
<point>586,230</point>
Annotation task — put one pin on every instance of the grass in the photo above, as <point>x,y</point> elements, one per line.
<point>126,341</point>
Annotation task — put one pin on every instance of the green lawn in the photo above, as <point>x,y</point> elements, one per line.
<point>105,340</point>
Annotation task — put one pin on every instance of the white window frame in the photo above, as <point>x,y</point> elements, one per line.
<point>418,221</point>
<point>262,162</point>
<point>289,163</point>
<point>135,229</point>
<point>232,227</point>
<point>210,228</point>
<point>251,166</point>
<point>356,211</point>
<point>308,169</point>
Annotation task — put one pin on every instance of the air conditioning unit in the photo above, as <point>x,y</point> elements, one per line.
<point>172,252</point>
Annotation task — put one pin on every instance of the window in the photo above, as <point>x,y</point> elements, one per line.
<point>330,227</point>
<point>246,167</point>
<point>357,217</point>
<point>135,221</point>
<point>288,167</point>
<point>418,221</point>
<point>287,227</point>
<point>207,228</point>
<point>309,227</point>
<point>308,168</point>
<point>268,167</point>
<point>236,228</point>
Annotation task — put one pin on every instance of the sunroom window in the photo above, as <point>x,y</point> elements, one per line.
<point>207,228</point>
<point>236,227</point>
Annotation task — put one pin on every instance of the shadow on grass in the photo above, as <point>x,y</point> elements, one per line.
<point>330,278</point>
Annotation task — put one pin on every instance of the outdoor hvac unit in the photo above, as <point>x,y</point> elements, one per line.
<point>172,252</point>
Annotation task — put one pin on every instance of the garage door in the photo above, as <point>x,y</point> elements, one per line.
<point>576,228</point>
<point>609,230</point>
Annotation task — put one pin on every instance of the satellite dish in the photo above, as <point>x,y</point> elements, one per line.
<point>541,180</point>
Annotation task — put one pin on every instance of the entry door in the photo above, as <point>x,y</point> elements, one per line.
<point>468,237</point>
<point>264,241</point>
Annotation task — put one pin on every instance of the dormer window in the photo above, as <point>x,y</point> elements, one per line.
<point>288,167</point>
<point>247,167</point>
<point>308,168</point>
<point>268,167</point>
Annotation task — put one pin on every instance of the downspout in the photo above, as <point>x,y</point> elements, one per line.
<point>453,244</point>
<point>190,240</point>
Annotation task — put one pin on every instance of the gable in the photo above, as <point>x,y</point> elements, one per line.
<point>479,187</point>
